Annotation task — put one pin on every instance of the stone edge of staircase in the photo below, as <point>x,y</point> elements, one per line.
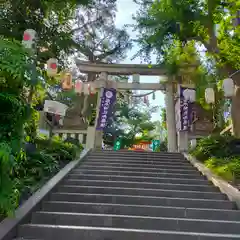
<point>225,187</point>
<point>8,227</point>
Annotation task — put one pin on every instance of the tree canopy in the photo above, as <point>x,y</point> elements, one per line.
<point>167,26</point>
<point>131,123</point>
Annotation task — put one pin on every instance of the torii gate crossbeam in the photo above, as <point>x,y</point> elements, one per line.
<point>121,69</point>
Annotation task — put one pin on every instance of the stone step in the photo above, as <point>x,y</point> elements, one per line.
<point>25,239</point>
<point>137,158</point>
<point>137,154</point>
<point>139,179</point>
<point>137,169</point>
<point>136,222</point>
<point>143,210</point>
<point>134,165</point>
<point>60,232</point>
<point>116,195</point>
<point>143,200</point>
<point>132,173</point>
<point>137,161</point>
<point>146,185</point>
<point>141,191</point>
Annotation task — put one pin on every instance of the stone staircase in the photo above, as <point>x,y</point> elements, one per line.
<point>135,196</point>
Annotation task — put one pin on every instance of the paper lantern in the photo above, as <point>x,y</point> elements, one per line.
<point>86,89</point>
<point>78,86</point>
<point>92,88</point>
<point>52,67</point>
<point>228,87</point>
<point>190,95</point>
<point>209,95</point>
<point>29,38</point>
<point>67,81</point>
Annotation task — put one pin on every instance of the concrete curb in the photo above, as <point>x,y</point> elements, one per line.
<point>226,188</point>
<point>8,227</point>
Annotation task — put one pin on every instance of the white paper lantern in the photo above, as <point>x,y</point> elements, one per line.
<point>209,95</point>
<point>190,95</point>
<point>52,67</point>
<point>29,38</point>
<point>86,89</point>
<point>92,88</point>
<point>228,87</point>
<point>78,86</point>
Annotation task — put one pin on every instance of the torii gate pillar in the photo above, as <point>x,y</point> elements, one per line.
<point>171,122</point>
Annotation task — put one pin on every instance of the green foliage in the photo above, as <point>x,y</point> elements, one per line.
<point>14,65</point>
<point>227,168</point>
<point>14,79</point>
<point>163,116</point>
<point>97,37</point>
<point>210,147</point>
<point>177,31</point>
<point>23,173</point>
<point>162,147</point>
<point>8,193</point>
<point>61,150</point>
<point>131,124</point>
<point>50,19</point>
<point>216,153</point>
<point>31,126</point>
<point>74,142</point>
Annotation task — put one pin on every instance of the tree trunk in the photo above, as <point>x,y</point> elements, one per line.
<point>235,112</point>
<point>213,48</point>
<point>235,107</point>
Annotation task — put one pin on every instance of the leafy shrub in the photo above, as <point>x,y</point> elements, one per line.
<point>23,174</point>
<point>74,141</point>
<point>216,153</point>
<point>213,146</point>
<point>227,168</point>
<point>61,150</point>
<point>162,147</point>
<point>22,171</point>
<point>8,194</point>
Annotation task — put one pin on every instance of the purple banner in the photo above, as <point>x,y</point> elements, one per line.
<point>185,110</point>
<point>184,114</point>
<point>107,101</point>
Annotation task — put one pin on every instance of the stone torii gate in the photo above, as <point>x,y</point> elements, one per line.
<point>94,138</point>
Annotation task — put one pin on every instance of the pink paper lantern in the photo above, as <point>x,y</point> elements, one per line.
<point>78,86</point>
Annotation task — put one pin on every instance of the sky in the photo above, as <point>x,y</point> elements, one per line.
<point>126,8</point>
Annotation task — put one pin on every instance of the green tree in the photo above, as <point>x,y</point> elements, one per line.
<point>203,75</point>
<point>52,20</point>
<point>131,123</point>
<point>208,23</point>
<point>96,35</point>
<point>14,80</point>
